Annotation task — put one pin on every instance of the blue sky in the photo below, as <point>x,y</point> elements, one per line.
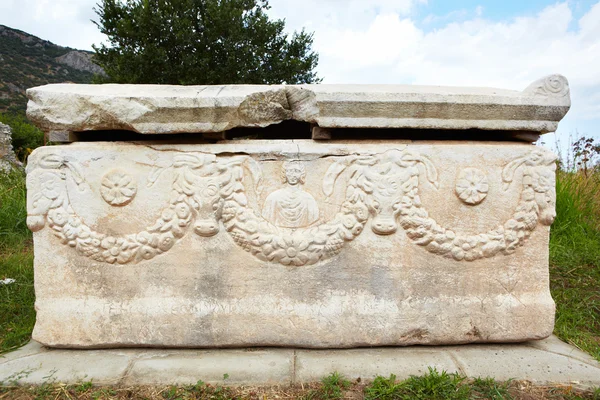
<point>500,43</point>
<point>494,9</point>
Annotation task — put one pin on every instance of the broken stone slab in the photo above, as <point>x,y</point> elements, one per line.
<point>156,109</point>
<point>291,243</point>
<point>8,159</point>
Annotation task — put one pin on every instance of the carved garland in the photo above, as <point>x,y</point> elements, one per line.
<point>536,205</point>
<point>51,205</point>
<point>299,247</point>
<point>369,181</point>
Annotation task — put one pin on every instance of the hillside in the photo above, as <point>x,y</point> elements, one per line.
<point>27,61</point>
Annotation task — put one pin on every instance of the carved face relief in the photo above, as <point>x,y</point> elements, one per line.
<point>210,207</point>
<point>293,176</point>
<point>294,172</point>
<point>543,182</point>
<point>118,188</point>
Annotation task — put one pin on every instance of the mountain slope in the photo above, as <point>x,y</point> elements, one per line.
<point>27,61</point>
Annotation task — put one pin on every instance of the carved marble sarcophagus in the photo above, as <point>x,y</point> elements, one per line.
<point>412,215</point>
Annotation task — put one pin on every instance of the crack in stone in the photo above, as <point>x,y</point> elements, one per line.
<point>127,372</point>
<point>458,364</point>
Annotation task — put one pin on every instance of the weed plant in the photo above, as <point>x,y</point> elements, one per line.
<point>332,387</point>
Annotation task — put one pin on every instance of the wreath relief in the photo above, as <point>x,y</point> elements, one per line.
<point>208,194</point>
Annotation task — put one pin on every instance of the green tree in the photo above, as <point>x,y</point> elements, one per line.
<point>202,42</point>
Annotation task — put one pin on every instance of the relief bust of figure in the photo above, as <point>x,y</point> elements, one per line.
<point>291,207</point>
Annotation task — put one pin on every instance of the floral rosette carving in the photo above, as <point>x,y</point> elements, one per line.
<point>118,188</point>
<point>472,186</point>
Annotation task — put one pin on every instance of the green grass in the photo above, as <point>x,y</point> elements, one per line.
<point>17,314</point>
<point>431,386</point>
<point>575,260</point>
<point>202,390</point>
<point>488,388</point>
<point>434,385</point>
<point>25,136</point>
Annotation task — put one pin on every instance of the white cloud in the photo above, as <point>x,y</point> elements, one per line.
<point>366,49</point>
<point>392,47</point>
<point>316,15</point>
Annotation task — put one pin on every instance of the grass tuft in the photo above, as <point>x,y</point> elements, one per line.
<point>489,388</point>
<point>434,385</point>
<point>203,390</point>
<point>332,387</point>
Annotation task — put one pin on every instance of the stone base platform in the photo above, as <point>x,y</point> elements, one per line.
<point>548,361</point>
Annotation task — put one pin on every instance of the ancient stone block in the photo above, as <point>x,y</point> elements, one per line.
<point>291,244</point>
<point>319,244</point>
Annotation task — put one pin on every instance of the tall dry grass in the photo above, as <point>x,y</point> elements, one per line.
<point>575,257</point>
<point>575,234</point>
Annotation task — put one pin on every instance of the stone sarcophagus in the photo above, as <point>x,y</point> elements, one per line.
<point>213,238</point>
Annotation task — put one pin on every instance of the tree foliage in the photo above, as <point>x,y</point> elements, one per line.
<point>200,42</point>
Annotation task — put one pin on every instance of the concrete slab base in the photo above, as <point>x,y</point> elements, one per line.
<point>548,361</point>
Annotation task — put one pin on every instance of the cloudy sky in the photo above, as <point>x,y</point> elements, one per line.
<point>498,43</point>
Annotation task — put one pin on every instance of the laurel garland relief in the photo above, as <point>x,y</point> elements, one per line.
<point>209,190</point>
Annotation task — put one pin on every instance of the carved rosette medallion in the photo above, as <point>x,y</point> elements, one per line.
<point>471,186</point>
<point>118,188</point>
<point>209,192</point>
